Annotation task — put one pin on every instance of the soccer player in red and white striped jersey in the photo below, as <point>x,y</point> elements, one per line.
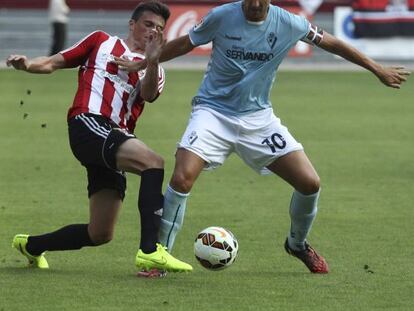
<point>101,122</point>
<point>104,89</point>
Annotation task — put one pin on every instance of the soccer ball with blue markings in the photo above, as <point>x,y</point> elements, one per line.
<point>215,248</point>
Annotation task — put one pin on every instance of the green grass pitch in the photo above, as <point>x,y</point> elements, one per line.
<point>358,134</point>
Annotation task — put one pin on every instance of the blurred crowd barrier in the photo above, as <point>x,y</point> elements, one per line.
<point>24,26</point>
<point>383,29</point>
<point>326,5</point>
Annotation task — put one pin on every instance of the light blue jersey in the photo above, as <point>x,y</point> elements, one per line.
<point>245,56</point>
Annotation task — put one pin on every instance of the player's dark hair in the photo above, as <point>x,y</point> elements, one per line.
<point>153,6</point>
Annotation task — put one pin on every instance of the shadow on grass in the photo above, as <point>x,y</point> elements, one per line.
<point>131,275</point>
<point>76,272</point>
<point>26,270</point>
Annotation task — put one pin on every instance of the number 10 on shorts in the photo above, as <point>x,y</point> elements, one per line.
<point>275,141</point>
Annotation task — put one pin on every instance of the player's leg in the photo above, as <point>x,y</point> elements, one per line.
<point>106,189</point>
<point>270,147</point>
<point>58,37</point>
<point>297,170</point>
<point>104,207</point>
<point>70,237</point>
<point>188,167</point>
<point>97,143</point>
<point>205,144</point>
<point>135,157</point>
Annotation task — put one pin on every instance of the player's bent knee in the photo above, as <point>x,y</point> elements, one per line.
<point>311,186</point>
<point>156,161</point>
<point>101,238</point>
<point>151,160</point>
<point>134,156</point>
<point>181,182</point>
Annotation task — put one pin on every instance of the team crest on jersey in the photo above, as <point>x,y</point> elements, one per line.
<point>192,137</point>
<point>271,39</point>
<point>199,24</point>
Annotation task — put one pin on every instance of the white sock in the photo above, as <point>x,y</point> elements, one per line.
<point>172,217</point>
<point>303,209</point>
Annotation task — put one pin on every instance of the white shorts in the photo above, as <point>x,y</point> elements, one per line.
<point>258,138</point>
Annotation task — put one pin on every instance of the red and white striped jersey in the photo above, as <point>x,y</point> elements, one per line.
<point>102,88</point>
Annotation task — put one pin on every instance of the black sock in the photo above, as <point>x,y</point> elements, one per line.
<point>66,238</point>
<point>150,202</point>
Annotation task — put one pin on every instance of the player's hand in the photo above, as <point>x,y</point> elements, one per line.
<point>19,62</point>
<point>154,46</point>
<point>129,65</point>
<point>393,76</point>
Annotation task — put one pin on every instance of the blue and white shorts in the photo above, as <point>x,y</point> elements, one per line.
<point>258,138</point>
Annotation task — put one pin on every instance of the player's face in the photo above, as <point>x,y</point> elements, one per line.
<point>147,23</point>
<point>255,10</point>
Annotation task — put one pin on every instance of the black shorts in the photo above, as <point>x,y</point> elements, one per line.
<point>94,141</point>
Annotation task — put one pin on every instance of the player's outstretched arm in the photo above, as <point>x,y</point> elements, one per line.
<point>390,76</point>
<point>149,85</point>
<point>176,48</point>
<point>171,50</point>
<point>42,64</point>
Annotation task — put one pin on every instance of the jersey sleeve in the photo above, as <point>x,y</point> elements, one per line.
<point>206,29</point>
<point>300,26</point>
<point>77,54</point>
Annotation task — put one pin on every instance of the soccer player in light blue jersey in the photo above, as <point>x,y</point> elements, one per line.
<point>232,112</point>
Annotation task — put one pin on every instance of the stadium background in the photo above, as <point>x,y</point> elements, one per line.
<point>25,29</point>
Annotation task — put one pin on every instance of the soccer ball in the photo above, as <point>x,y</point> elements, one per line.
<point>215,248</point>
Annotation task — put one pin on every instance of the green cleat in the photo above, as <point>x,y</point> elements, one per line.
<point>19,243</point>
<point>161,260</point>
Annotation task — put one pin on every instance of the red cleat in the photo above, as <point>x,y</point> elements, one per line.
<point>314,262</point>
<point>152,274</point>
